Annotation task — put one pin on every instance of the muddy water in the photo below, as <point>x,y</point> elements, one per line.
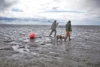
<point>17,50</point>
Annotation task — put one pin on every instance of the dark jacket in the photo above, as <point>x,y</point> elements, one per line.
<point>68,27</point>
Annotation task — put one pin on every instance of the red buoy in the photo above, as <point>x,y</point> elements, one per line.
<point>32,35</point>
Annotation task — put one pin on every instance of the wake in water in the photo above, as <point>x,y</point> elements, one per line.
<point>21,49</point>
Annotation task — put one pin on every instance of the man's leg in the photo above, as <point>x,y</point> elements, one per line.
<point>55,32</point>
<point>67,33</point>
<point>51,33</point>
<point>69,36</point>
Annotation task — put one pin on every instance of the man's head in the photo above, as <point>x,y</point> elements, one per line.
<point>69,21</point>
<point>55,21</point>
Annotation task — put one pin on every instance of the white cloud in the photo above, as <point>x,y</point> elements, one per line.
<point>37,8</point>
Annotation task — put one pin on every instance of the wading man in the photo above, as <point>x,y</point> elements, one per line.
<point>53,28</point>
<point>68,29</point>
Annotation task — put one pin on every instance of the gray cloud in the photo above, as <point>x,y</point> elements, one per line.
<point>4,4</point>
<point>82,3</point>
<point>96,3</point>
<point>93,7</point>
<point>89,4</point>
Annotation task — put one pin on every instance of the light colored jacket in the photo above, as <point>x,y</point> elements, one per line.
<point>54,25</point>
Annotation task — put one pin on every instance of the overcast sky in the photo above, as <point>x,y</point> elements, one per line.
<point>80,12</point>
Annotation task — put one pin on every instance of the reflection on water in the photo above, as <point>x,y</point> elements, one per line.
<point>44,51</point>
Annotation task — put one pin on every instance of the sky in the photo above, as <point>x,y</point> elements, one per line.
<point>80,12</point>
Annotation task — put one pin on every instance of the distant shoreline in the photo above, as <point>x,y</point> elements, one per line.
<point>42,25</point>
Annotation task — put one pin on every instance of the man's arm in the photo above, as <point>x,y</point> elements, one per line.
<point>52,25</point>
<point>56,24</point>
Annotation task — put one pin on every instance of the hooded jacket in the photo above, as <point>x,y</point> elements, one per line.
<point>68,27</point>
<point>54,25</point>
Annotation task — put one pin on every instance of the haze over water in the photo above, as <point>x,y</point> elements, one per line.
<point>17,50</point>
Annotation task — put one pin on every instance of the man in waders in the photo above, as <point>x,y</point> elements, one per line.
<point>68,29</point>
<point>53,28</point>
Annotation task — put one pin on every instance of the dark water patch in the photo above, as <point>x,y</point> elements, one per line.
<point>93,64</point>
<point>6,48</point>
<point>7,41</point>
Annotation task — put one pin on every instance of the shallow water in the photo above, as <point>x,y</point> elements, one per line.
<point>17,50</point>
